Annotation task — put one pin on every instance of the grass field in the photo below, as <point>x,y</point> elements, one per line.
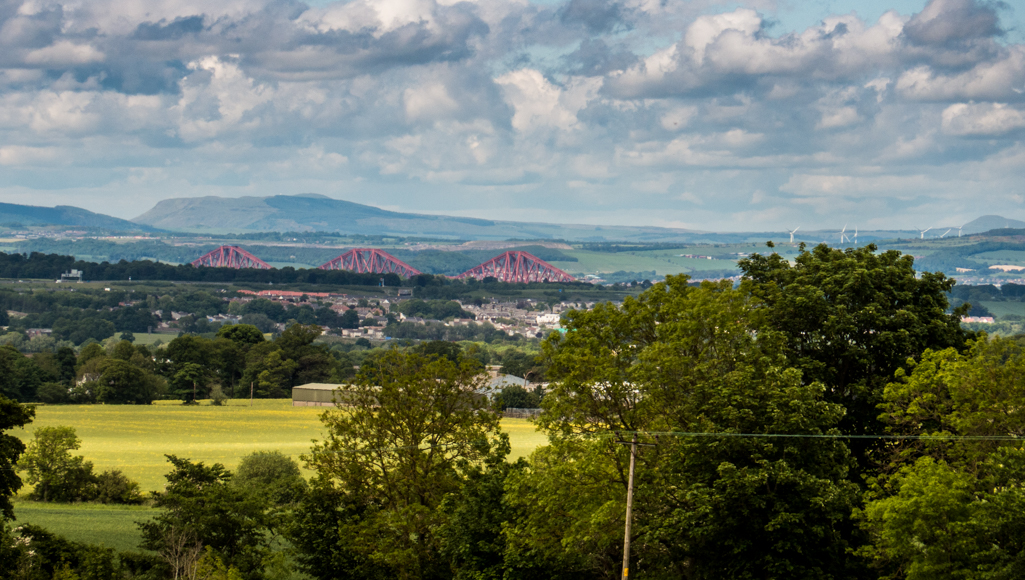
<point>111,526</point>
<point>135,439</point>
<point>151,339</point>
<point>1000,308</point>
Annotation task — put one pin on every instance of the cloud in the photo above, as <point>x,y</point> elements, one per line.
<point>470,106</point>
<point>983,119</point>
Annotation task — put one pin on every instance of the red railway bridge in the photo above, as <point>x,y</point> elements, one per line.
<point>370,261</point>
<point>231,257</point>
<point>517,266</point>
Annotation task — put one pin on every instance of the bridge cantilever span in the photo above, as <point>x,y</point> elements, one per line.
<point>370,261</point>
<point>231,257</point>
<point>517,266</point>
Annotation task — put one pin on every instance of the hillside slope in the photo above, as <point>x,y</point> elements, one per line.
<point>311,212</point>
<point>64,215</point>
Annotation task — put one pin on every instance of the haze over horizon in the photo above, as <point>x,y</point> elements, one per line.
<point>728,116</point>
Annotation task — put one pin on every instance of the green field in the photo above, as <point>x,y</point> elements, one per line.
<point>1002,308</point>
<point>112,526</point>
<point>135,439</point>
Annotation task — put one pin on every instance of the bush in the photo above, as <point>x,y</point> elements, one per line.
<point>516,397</point>
<point>271,475</point>
<point>112,486</point>
<point>53,394</point>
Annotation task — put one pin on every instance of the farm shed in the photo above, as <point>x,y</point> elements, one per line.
<point>314,395</point>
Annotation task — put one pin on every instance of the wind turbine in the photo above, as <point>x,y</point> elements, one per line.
<point>922,232</point>
<point>843,234</point>
<point>945,233</point>
<point>792,234</point>
<point>855,235</point>
<point>959,230</point>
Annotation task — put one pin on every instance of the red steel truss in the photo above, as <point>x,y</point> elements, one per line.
<point>516,266</point>
<point>231,257</point>
<point>370,261</point>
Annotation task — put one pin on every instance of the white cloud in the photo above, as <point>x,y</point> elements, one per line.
<point>540,104</point>
<point>982,119</point>
<point>64,53</point>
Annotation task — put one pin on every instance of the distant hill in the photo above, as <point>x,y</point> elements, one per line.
<point>991,222</point>
<point>64,215</point>
<point>312,212</point>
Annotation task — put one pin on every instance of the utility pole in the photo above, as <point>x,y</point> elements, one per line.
<point>250,394</point>
<point>630,502</point>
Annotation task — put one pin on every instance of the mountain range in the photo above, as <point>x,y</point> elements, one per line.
<point>313,212</point>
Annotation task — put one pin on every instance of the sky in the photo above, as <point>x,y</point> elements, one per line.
<point>758,115</point>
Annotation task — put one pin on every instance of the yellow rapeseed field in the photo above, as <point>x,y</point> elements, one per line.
<point>135,439</point>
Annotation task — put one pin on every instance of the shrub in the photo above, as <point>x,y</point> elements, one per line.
<point>53,393</point>
<point>271,475</point>
<point>113,486</point>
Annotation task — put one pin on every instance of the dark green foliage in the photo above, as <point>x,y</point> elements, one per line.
<point>244,335</point>
<point>189,383</point>
<point>349,319</point>
<point>12,415</point>
<point>415,427</point>
<point>38,265</point>
<point>682,359</point>
<point>271,475</point>
<point>268,308</point>
<point>53,393</point>
<point>472,537</point>
<point>124,383</point>
<point>851,318</point>
<point>260,321</point>
<point>516,397</point>
<point>433,309</point>
<point>82,329</point>
<point>19,375</point>
<point>324,532</point>
<point>200,503</point>
<point>45,554</point>
<point>112,486</point>
<point>441,349</point>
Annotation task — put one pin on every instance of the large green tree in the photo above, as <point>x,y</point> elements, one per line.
<point>950,505</point>
<point>57,474</point>
<point>200,507</point>
<point>681,359</point>
<point>412,428</point>
<point>852,317</point>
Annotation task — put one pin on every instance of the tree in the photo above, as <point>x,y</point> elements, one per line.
<point>349,319</point>
<point>271,475</point>
<point>123,382</point>
<point>947,508</point>
<point>516,397</point>
<point>56,474</point>
<point>413,427</point>
<point>201,509</point>
<point>852,317</point>
<point>190,383</point>
<point>682,359</point>
<point>244,335</point>
<point>12,415</point>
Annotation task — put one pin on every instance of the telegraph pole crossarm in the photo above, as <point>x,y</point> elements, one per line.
<point>630,500</point>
